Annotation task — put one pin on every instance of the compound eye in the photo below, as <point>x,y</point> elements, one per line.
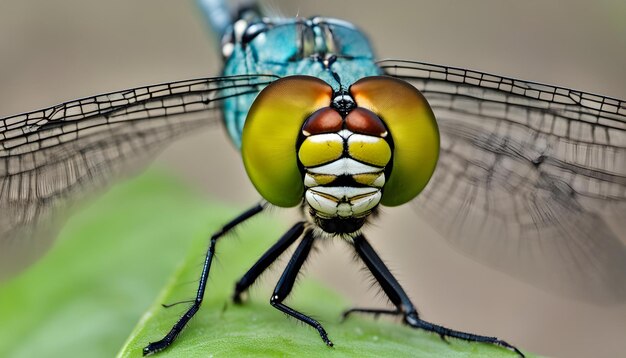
<point>271,131</point>
<point>413,129</point>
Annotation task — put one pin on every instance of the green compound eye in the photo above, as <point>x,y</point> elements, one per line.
<point>270,134</point>
<point>414,131</point>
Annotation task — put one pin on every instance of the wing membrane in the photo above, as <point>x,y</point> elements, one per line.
<point>528,176</point>
<point>51,157</point>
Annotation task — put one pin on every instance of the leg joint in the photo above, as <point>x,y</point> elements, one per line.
<point>275,300</point>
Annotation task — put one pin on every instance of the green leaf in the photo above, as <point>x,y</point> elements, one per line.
<point>115,256</point>
<point>109,262</point>
<point>223,329</point>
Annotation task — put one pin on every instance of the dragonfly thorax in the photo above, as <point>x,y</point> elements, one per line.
<point>344,159</point>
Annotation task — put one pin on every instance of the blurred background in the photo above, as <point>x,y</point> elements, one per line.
<point>52,51</point>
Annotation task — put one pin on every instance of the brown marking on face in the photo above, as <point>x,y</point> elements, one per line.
<point>325,120</point>
<point>364,121</point>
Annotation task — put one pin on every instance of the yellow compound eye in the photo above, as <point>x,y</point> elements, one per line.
<point>414,131</point>
<point>270,133</point>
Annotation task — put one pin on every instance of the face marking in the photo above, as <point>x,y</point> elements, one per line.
<point>320,149</point>
<point>340,192</point>
<point>321,178</point>
<point>311,179</point>
<point>375,179</point>
<point>344,133</point>
<point>373,150</point>
<point>361,120</point>
<point>343,154</point>
<point>344,166</point>
<point>325,120</point>
<point>366,204</point>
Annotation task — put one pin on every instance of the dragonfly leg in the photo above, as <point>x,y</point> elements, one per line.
<point>286,281</point>
<point>266,260</point>
<point>400,299</point>
<point>170,337</point>
<point>374,311</point>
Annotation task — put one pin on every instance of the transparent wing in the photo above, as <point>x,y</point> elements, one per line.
<point>529,177</point>
<point>51,157</point>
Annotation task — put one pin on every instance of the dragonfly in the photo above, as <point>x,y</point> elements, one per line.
<point>540,158</point>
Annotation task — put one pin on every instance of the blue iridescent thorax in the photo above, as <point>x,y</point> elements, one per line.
<point>329,49</point>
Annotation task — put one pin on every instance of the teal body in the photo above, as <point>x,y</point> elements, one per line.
<point>329,49</point>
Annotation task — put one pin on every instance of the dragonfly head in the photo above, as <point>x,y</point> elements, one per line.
<point>341,154</point>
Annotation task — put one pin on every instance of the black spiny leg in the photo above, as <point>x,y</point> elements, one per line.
<point>374,311</point>
<point>154,347</point>
<point>285,284</point>
<point>399,298</point>
<point>266,260</point>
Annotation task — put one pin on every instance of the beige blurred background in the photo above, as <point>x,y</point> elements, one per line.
<point>51,51</point>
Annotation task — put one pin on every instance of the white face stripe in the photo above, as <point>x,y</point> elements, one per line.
<point>363,138</point>
<point>348,192</point>
<point>345,166</point>
<point>326,137</point>
<point>345,133</point>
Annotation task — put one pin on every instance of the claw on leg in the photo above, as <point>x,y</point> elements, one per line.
<point>287,280</point>
<point>401,300</point>
<point>170,337</point>
<point>414,321</point>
